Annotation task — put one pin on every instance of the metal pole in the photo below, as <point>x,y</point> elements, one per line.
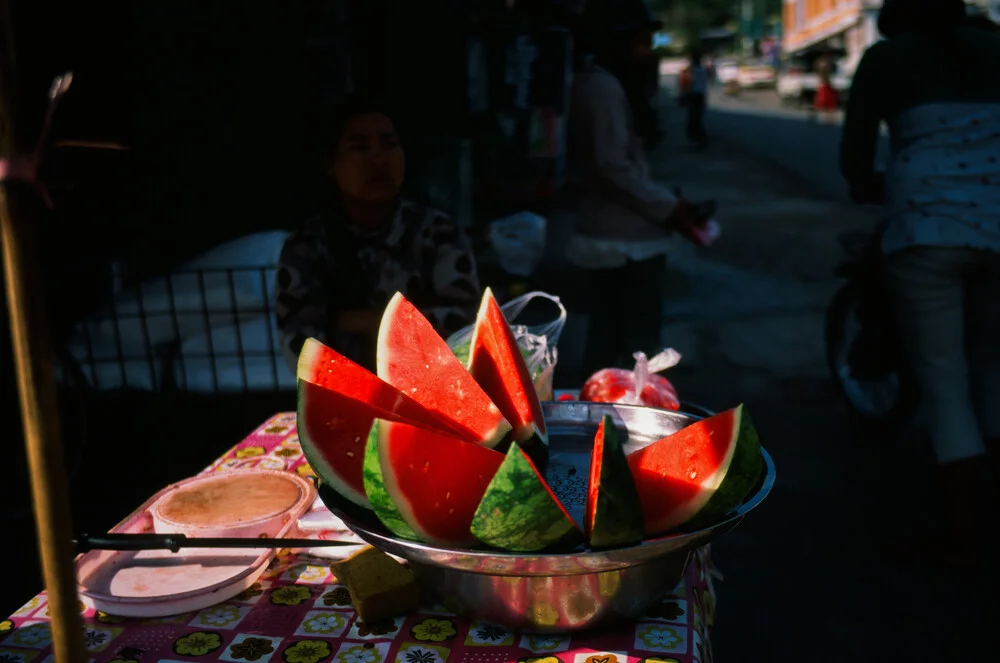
<point>35,377</point>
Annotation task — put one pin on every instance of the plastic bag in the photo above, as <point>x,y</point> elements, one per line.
<point>537,343</point>
<point>641,386</point>
<point>519,242</point>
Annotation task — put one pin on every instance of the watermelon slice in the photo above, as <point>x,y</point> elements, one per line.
<point>418,362</point>
<point>705,469</point>
<point>338,401</point>
<point>496,362</point>
<point>377,494</point>
<point>519,512</point>
<point>435,481</point>
<point>613,515</point>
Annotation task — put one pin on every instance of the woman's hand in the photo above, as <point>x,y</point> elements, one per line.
<point>687,214</point>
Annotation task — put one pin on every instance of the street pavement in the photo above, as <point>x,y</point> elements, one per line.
<point>805,577</point>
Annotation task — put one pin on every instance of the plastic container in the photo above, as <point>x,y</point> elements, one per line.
<point>159,583</point>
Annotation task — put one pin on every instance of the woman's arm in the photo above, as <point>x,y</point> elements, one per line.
<point>605,112</point>
<point>859,139</point>
<point>302,298</point>
<point>450,271</point>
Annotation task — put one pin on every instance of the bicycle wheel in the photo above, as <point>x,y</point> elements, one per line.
<point>884,396</point>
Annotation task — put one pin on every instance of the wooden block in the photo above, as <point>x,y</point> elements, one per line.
<point>380,587</point>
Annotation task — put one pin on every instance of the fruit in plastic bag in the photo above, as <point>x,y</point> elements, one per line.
<point>619,385</point>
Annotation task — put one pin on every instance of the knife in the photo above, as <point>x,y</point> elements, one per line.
<point>174,542</point>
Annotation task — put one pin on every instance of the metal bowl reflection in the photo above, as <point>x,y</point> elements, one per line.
<point>565,591</point>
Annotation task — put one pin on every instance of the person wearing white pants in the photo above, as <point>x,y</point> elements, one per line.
<point>936,82</point>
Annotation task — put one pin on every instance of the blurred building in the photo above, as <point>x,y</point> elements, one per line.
<point>848,26</point>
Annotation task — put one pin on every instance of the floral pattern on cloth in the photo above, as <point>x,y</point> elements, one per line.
<point>298,612</point>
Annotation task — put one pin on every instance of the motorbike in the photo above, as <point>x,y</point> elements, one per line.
<point>862,340</point>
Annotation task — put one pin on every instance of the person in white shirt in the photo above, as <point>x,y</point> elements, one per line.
<point>623,220</point>
<point>694,91</point>
<point>935,81</point>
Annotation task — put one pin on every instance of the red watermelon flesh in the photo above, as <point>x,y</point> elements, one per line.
<point>714,460</point>
<point>496,362</point>
<point>612,514</point>
<point>413,358</point>
<point>338,402</point>
<point>435,480</point>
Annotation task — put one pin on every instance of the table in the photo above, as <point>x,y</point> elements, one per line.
<point>299,613</point>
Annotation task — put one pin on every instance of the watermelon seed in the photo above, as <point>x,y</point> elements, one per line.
<point>693,475</point>
<point>350,454</point>
<point>447,495</point>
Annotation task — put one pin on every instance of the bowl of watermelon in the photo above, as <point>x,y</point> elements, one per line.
<point>555,516</point>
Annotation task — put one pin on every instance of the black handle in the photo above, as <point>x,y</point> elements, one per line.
<point>174,542</point>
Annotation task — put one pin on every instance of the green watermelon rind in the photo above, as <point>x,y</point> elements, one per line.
<point>617,513</point>
<point>463,351</point>
<point>378,495</point>
<point>518,513</point>
<point>742,476</point>
<point>316,460</point>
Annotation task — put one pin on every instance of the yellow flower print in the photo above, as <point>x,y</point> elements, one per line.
<point>324,624</point>
<point>249,452</point>
<point>252,649</point>
<point>307,572</point>
<point>544,643</point>
<point>541,659</point>
<point>606,658</point>
<point>219,616</point>
<point>198,643</point>
<point>275,430</point>
<point>105,618</point>
<point>360,654</point>
<point>6,626</point>
<point>287,452</point>
<point>307,651</point>
<point>290,595</point>
<point>659,659</point>
<point>337,596</point>
<point>305,470</point>
<point>433,630</point>
<point>709,604</point>
<point>660,637</point>
<point>250,592</point>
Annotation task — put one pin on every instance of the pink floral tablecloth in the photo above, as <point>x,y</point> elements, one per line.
<point>299,613</point>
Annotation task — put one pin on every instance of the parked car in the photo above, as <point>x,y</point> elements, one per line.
<point>755,75</point>
<point>797,81</point>
<point>726,70</point>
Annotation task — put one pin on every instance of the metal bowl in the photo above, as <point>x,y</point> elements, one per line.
<point>567,591</point>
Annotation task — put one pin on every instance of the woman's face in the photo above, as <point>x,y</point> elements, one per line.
<point>369,163</point>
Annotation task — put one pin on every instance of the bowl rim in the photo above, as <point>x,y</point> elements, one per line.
<point>603,559</point>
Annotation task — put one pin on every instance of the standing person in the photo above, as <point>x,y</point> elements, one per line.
<point>826,101</point>
<point>694,93</point>
<point>623,221</point>
<point>936,83</point>
<point>339,269</point>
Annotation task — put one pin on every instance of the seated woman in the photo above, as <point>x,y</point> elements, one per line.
<point>337,272</point>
